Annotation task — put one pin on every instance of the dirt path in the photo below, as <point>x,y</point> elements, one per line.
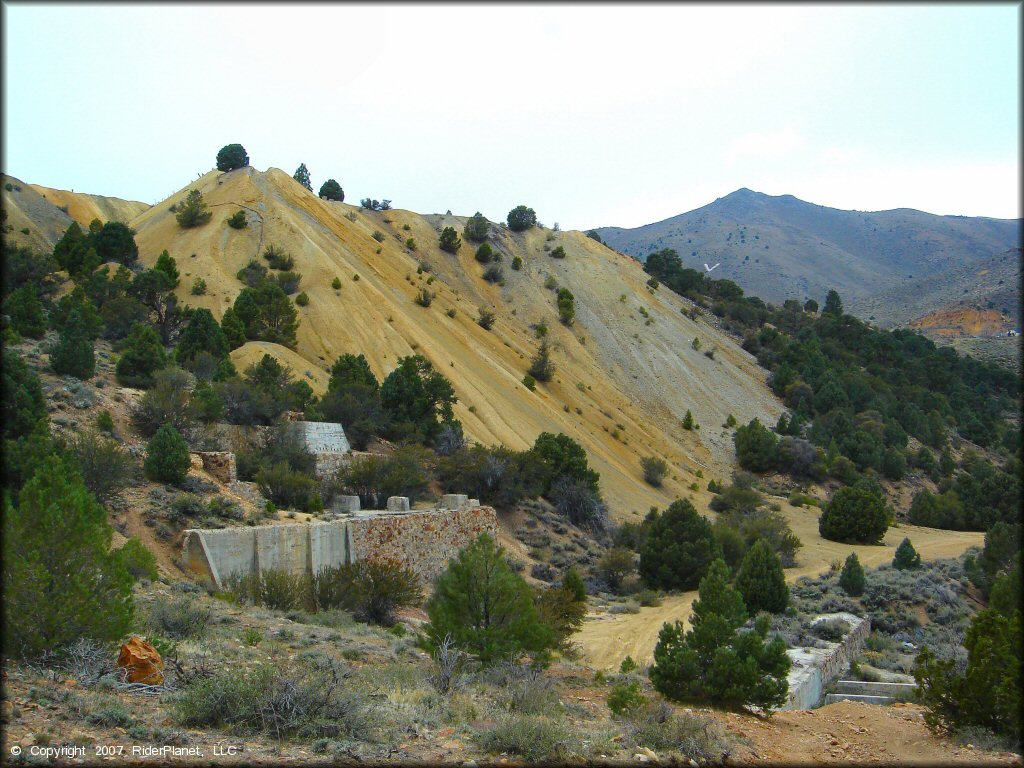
<point>607,639</point>
<point>851,732</point>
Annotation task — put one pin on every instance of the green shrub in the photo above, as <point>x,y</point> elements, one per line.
<point>449,240</point>
<point>534,738</point>
<point>61,582</point>
<point>529,382</point>
<point>106,467</point>
<point>238,220</point>
<point>26,311</point>
<point>424,297</point>
<point>624,697</point>
<point>627,666</point>
<point>378,236</point>
<point>139,561</point>
<point>755,447</point>
<point>336,283</point>
<point>278,259</point>
<point>541,366</point>
<point>305,699</point>
<point>854,515</point>
<point>371,589</point>
<point>615,566</point>
<point>558,252</point>
<point>517,263</point>
<point>654,469</point>
<point>486,318</point>
<point>494,273</point>
<point>302,299</point>
<point>286,487</point>
<point>167,458</point>
<point>104,421</point>
<point>198,287</point>
<point>484,253</point>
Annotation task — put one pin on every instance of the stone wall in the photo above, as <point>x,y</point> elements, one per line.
<point>220,465</point>
<point>815,668</point>
<point>422,539</point>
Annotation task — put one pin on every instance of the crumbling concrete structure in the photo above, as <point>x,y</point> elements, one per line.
<point>815,668</point>
<point>220,465</point>
<point>328,444</point>
<point>424,540</point>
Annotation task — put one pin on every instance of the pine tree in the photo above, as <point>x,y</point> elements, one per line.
<point>833,304</point>
<point>449,240</point>
<point>679,547</point>
<point>688,420</point>
<point>202,334</point>
<point>476,229</point>
<point>906,556</point>
<point>761,581</point>
<point>713,661</point>
<point>61,582</point>
<point>851,580</point>
<point>301,175</point>
<point>331,190</point>
<point>233,328</point>
<point>193,212</point>
<point>26,311</point>
<point>541,367</point>
<point>73,354</point>
<point>142,356</point>
<point>166,264</point>
<point>486,607</point>
<point>167,459</point>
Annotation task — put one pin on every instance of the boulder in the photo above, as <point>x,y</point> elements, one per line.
<point>142,661</point>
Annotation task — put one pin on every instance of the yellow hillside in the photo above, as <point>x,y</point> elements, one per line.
<point>624,380</point>
<point>83,207</point>
<point>27,209</point>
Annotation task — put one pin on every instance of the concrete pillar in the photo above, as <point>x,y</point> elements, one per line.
<point>398,504</point>
<point>454,501</point>
<point>473,503</point>
<point>342,504</point>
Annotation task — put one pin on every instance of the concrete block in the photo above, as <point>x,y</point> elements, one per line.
<point>398,504</point>
<point>897,691</point>
<point>324,437</point>
<point>341,504</point>
<point>474,503</point>
<point>454,501</point>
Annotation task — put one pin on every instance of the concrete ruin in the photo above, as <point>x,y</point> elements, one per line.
<point>328,444</point>
<point>871,692</point>
<point>814,668</point>
<point>424,540</point>
<point>220,465</point>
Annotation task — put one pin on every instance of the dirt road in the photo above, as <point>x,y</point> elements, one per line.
<point>607,639</point>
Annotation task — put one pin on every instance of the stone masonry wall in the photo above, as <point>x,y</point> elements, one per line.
<point>424,540</point>
<point>814,668</point>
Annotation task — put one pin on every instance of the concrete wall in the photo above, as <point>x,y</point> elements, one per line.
<point>815,668</point>
<point>423,540</point>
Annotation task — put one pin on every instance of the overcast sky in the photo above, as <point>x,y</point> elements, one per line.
<point>592,115</point>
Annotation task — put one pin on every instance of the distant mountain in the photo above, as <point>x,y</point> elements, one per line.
<point>985,293</point>
<point>780,247</point>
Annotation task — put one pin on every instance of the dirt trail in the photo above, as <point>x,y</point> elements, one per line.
<point>607,639</point>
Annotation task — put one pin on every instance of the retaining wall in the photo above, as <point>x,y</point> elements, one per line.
<point>424,540</point>
<point>815,668</point>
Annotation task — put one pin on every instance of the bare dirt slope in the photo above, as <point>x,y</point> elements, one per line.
<point>606,639</point>
<point>27,209</point>
<point>83,207</point>
<point>624,379</point>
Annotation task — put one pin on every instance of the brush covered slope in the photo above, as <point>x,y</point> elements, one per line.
<point>780,247</point>
<point>626,371</point>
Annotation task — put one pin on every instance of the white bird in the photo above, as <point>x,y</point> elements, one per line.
<point>710,268</point>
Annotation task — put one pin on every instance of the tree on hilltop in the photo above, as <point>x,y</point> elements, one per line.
<point>301,175</point>
<point>232,156</point>
<point>331,190</point>
<point>521,218</point>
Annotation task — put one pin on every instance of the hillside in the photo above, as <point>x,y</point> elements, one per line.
<point>83,207</point>
<point>624,379</point>
<point>780,247</point>
<point>989,285</point>
<point>27,209</point>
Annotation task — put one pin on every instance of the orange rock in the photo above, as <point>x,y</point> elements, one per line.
<point>142,661</point>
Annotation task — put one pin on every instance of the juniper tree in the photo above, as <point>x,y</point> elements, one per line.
<point>851,580</point>
<point>761,581</point>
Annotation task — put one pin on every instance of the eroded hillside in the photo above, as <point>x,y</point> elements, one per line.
<point>83,207</point>
<point>626,370</point>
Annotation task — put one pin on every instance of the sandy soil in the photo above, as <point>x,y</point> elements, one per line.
<point>606,639</point>
<point>83,207</point>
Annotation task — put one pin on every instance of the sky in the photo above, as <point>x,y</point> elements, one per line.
<point>593,115</point>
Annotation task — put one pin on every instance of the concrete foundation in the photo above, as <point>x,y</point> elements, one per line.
<point>815,668</point>
<point>398,504</point>
<point>423,540</point>
<point>344,504</point>
<point>454,501</point>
